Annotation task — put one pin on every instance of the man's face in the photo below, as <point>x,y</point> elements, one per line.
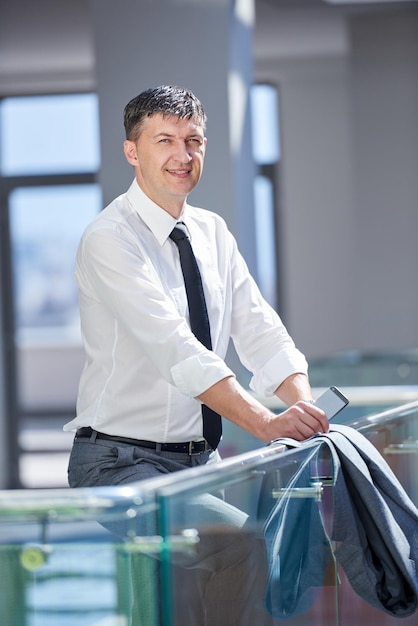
<point>168,159</point>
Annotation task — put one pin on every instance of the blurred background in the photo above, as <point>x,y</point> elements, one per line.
<point>312,160</point>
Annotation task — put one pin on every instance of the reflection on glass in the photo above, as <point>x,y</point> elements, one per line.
<point>46,225</point>
<point>192,548</point>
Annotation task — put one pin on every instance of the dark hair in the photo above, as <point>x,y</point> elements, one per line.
<point>166,99</point>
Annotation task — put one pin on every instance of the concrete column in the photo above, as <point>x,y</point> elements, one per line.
<point>204,46</point>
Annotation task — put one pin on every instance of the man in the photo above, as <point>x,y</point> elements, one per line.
<point>147,375</point>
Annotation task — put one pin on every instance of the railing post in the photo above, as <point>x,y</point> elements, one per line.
<point>9,454</point>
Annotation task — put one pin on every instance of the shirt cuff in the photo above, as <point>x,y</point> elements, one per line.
<point>196,374</point>
<point>276,370</point>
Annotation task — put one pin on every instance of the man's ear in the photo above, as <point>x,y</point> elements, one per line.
<point>129,149</point>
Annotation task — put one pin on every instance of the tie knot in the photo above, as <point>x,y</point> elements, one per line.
<point>178,233</point>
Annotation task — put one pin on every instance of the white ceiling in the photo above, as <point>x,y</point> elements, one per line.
<point>51,48</point>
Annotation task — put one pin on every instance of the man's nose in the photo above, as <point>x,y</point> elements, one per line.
<point>182,152</point>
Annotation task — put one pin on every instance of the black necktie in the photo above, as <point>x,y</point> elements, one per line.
<point>199,322</point>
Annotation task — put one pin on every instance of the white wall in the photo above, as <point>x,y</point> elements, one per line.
<point>348,186</point>
<point>385,157</point>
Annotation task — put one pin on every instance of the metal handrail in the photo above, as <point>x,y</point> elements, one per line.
<point>87,503</point>
<point>384,418</point>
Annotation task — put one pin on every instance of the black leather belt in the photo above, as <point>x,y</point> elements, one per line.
<point>188,447</point>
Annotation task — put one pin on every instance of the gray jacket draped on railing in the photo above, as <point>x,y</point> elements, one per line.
<point>375,530</point>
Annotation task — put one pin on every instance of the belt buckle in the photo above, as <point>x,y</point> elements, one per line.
<point>192,443</point>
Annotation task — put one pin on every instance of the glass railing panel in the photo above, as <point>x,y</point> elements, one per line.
<point>58,584</point>
<point>262,523</point>
<point>135,555</point>
<point>394,433</point>
<point>139,555</point>
<point>65,558</point>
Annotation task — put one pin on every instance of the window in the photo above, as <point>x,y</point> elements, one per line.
<point>266,154</point>
<point>49,135</point>
<point>46,223</point>
<point>265,125</point>
<point>45,139</point>
<point>49,158</point>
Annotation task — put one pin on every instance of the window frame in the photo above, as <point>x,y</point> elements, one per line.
<point>14,414</point>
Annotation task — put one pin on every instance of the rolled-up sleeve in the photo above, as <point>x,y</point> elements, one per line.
<point>276,370</point>
<point>196,374</point>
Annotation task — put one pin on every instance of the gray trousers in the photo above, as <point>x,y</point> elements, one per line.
<point>224,581</point>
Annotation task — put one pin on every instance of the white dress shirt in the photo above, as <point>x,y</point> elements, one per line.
<point>144,367</point>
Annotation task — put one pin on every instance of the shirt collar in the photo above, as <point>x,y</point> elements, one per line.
<point>158,221</point>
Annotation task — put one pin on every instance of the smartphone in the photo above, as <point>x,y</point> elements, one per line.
<point>332,401</point>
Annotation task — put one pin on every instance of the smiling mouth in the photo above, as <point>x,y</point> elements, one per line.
<point>179,172</point>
